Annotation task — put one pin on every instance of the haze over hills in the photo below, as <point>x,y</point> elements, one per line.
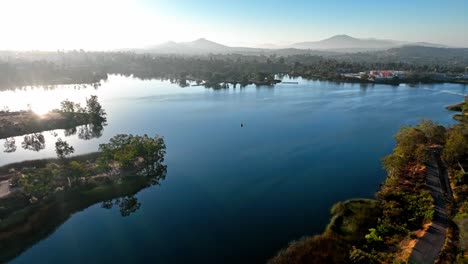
<point>338,43</point>
<point>198,46</point>
<point>203,46</point>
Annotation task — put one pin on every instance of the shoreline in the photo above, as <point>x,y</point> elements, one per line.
<point>45,193</point>
<point>225,83</point>
<point>25,227</point>
<point>409,207</point>
<point>13,124</point>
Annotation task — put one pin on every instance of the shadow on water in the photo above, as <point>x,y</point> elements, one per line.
<point>21,228</point>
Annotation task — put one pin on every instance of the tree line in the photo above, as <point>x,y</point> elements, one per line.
<point>79,67</point>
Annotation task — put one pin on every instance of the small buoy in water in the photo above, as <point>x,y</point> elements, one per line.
<point>242,125</point>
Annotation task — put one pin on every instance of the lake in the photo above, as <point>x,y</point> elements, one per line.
<point>232,194</point>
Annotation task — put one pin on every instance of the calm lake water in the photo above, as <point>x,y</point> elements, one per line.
<point>232,194</point>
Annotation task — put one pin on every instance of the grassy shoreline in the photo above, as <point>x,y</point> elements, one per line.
<point>348,225</point>
<point>41,163</point>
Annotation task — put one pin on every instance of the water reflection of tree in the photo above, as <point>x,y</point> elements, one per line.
<point>70,131</point>
<point>130,204</point>
<point>127,205</point>
<point>90,131</point>
<point>87,132</point>
<point>34,142</point>
<point>9,145</point>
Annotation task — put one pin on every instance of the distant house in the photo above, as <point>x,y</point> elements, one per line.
<point>386,74</point>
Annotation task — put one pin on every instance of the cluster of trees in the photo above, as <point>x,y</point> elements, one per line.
<point>41,182</point>
<point>20,69</point>
<point>94,113</point>
<point>456,156</point>
<point>143,154</point>
<point>404,199</point>
<point>18,73</point>
<point>127,154</point>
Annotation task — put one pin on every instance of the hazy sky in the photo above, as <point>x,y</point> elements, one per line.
<point>110,24</point>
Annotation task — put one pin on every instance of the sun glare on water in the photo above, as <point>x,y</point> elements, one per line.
<point>41,110</point>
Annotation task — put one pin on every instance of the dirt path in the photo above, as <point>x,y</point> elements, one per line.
<point>428,247</point>
<point>4,188</point>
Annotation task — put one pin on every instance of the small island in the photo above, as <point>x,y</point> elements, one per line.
<point>68,116</point>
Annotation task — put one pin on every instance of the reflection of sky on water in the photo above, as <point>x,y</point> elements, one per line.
<point>302,148</point>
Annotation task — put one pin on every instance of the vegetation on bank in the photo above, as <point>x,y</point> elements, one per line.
<point>123,155</point>
<point>350,223</point>
<point>462,108</point>
<point>405,201</point>
<point>46,192</point>
<point>404,206</point>
<point>79,67</point>
<point>456,158</point>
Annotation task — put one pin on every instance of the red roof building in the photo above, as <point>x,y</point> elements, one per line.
<point>386,74</point>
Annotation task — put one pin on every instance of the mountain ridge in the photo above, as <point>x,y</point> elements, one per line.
<point>338,43</point>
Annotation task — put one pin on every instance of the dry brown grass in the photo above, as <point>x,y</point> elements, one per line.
<point>406,245</point>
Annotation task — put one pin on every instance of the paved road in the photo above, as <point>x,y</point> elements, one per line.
<point>428,247</point>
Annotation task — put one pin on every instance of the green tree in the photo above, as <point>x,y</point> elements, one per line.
<point>408,139</point>
<point>76,170</point>
<point>151,150</point>
<point>456,145</point>
<point>421,154</point>
<point>434,132</point>
<point>67,106</point>
<point>393,164</point>
<point>94,108</point>
<point>130,152</point>
<point>39,182</point>
<point>373,237</point>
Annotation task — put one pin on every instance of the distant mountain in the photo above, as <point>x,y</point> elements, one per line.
<point>335,44</point>
<point>204,46</point>
<point>194,47</point>
<point>345,42</point>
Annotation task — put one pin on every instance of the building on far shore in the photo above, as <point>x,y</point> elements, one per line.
<point>383,75</point>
